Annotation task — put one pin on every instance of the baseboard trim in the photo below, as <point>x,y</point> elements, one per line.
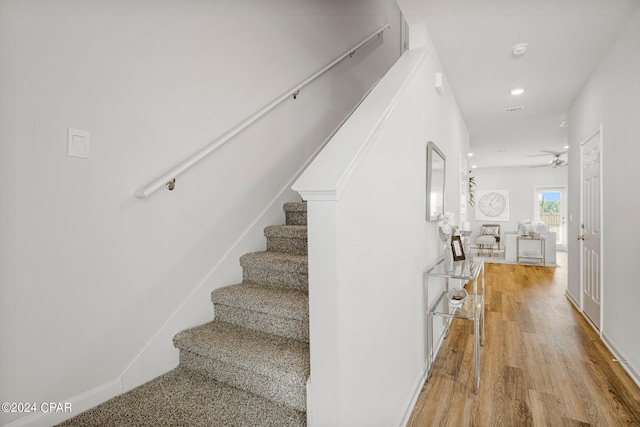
<point>631,370</point>
<point>78,403</point>
<point>572,300</point>
<point>626,365</point>
<point>407,409</point>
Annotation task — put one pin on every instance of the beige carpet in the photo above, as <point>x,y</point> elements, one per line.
<point>184,398</point>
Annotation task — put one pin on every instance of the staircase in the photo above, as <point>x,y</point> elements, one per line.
<point>255,353</point>
<point>259,340</point>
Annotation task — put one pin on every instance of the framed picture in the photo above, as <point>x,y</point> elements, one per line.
<point>492,205</point>
<point>457,249</point>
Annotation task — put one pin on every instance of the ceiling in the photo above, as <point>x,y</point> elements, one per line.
<point>567,40</point>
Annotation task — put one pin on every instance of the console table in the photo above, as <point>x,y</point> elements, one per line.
<point>472,308</point>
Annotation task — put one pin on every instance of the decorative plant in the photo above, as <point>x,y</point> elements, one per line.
<point>472,184</point>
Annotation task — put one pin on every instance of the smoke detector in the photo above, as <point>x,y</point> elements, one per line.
<point>519,49</point>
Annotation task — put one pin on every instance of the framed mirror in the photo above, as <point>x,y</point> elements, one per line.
<point>436,166</point>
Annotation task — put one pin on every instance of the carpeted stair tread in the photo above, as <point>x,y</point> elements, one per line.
<point>286,231</point>
<point>276,269</point>
<point>275,261</point>
<point>270,309</point>
<point>295,213</point>
<point>278,260</point>
<point>280,358</point>
<point>183,398</point>
<point>295,207</point>
<point>290,239</point>
<point>264,299</point>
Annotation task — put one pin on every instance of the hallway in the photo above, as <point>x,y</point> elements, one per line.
<point>542,363</point>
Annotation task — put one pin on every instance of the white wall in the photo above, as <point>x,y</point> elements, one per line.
<point>520,182</point>
<point>94,281</point>
<point>369,245</point>
<point>612,98</point>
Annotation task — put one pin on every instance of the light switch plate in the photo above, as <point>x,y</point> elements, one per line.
<point>78,143</point>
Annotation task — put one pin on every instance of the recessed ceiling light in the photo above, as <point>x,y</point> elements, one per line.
<point>565,147</point>
<point>470,154</point>
<point>474,166</point>
<point>509,110</point>
<point>518,91</point>
<point>519,49</point>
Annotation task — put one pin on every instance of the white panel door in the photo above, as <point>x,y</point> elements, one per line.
<point>590,227</point>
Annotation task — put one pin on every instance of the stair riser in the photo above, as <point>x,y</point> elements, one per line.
<point>271,324</point>
<point>296,218</point>
<point>264,275</point>
<point>284,392</point>
<point>287,245</point>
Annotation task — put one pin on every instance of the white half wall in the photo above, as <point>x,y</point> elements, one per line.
<point>94,282</point>
<point>611,97</point>
<point>369,246</point>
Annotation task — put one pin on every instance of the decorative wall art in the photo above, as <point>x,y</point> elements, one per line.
<point>492,205</point>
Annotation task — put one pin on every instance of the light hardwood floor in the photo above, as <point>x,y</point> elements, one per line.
<point>542,363</point>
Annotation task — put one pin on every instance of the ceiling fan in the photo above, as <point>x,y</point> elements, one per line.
<point>553,163</point>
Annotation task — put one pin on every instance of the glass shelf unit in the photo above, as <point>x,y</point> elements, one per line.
<point>472,309</point>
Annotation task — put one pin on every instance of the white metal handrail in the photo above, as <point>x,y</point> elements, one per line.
<point>168,178</point>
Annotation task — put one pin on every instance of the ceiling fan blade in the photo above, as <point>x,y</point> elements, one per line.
<point>538,155</point>
<point>541,166</point>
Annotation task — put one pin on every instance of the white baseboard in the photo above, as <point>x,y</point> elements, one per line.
<point>624,361</point>
<point>412,399</point>
<point>77,404</point>
<point>633,372</point>
<point>407,409</point>
<point>572,299</point>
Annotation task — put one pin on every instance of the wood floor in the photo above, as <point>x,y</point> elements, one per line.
<point>542,363</point>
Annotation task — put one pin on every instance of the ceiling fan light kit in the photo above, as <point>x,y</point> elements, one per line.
<point>553,163</point>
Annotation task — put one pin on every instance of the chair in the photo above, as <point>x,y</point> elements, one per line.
<point>491,230</point>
